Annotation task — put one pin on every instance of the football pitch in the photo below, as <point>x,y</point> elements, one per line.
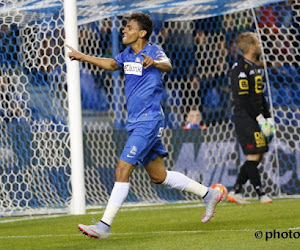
<point>171,226</point>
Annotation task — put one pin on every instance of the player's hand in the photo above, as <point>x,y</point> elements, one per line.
<point>148,61</point>
<point>266,126</point>
<point>272,125</point>
<point>74,54</point>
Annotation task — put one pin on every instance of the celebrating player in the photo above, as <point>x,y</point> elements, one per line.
<point>253,124</point>
<point>143,64</point>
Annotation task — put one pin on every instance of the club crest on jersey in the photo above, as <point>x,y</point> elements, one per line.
<point>138,60</point>
<point>133,68</point>
<point>133,150</point>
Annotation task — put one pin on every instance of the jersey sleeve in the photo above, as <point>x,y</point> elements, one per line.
<point>159,54</point>
<point>119,59</point>
<point>266,111</point>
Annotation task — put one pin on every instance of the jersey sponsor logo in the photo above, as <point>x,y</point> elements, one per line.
<point>244,84</point>
<point>244,87</point>
<point>132,68</point>
<point>242,75</point>
<point>259,87</point>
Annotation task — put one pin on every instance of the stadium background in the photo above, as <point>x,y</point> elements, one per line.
<point>199,39</point>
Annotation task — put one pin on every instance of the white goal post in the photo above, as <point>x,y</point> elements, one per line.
<point>77,205</point>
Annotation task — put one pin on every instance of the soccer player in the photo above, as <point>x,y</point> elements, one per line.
<point>143,64</point>
<point>253,123</point>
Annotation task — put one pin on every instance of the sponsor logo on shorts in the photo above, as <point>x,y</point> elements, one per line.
<point>133,150</point>
<point>259,139</point>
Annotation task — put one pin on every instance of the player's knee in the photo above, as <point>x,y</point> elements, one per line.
<point>255,157</point>
<point>123,172</point>
<point>157,179</point>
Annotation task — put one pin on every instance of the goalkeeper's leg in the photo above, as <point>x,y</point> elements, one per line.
<point>254,177</point>
<point>173,179</point>
<point>235,196</point>
<point>242,179</point>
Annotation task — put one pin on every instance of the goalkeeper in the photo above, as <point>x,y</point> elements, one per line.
<point>253,124</point>
<point>143,64</point>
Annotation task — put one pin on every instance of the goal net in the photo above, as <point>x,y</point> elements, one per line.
<point>35,165</point>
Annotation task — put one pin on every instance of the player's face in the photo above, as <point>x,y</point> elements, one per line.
<point>131,32</point>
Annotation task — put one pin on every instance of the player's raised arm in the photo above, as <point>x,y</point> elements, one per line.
<point>104,63</point>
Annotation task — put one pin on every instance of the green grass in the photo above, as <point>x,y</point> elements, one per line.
<point>172,226</point>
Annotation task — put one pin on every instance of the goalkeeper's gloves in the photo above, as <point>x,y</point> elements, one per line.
<point>266,126</point>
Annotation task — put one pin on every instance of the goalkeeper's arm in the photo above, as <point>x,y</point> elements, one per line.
<point>104,63</point>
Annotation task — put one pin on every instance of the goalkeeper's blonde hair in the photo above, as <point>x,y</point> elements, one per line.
<point>245,40</point>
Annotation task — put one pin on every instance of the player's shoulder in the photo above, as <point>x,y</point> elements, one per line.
<point>240,65</point>
<point>123,55</point>
<point>156,51</point>
<point>126,51</point>
<point>155,48</point>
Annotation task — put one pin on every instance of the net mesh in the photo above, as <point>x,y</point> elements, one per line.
<point>34,140</point>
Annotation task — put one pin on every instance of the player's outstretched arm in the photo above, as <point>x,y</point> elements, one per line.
<point>104,63</point>
<point>163,65</point>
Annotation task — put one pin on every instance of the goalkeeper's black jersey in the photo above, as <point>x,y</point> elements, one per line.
<point>247,88</point>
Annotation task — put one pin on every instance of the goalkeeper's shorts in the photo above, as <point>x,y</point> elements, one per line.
<point>144,143</point>
<point>249,135</point>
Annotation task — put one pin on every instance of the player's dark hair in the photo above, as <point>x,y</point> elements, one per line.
<point>145,22</point>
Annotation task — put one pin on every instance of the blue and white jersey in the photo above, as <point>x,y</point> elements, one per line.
<point>143,87</point>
